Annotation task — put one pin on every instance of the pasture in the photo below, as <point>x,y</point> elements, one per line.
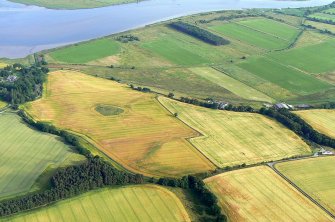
<point>143,138</point>
<point>308,58</point>
<point>315,176</point>
<point>26,154</point>
<point>131,203</point>
<point>322,120</point>
<point>175,51</point>
<point>262,33</point>
<point>259,194</point>
<point>86,52</point>
<point>323,17</point>
<point>231,84</point>
<point>271,27</point>
<point>285,76</point>
<point>232,138</point>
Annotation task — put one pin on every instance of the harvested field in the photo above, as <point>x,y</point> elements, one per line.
<point>259,194</point>
<point>143,138</point>
<point>314,176</point>
<point>232,138</point>
<point>322,120</point>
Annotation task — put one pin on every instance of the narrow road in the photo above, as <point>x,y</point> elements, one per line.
<point>272,166</point>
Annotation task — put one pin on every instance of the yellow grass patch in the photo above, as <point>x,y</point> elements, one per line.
<point>3,65</point>
<point>232,138</point>
<point>259,194</point>
<point>323,120</point>
<point>144,138</point>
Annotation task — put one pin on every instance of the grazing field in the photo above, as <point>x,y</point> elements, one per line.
<point>272,27</point>
<point>321,26</point>
<point>322,120</point>
<point>175,51</point>
<point>86,52</point>
<point>143,138</point>
<point>131,203</point>
<point>73,4</point>
<point>231,138</point>
<point>308,58</point>
<point>231,84</point>
<point>259,194</point>
<point>263,33</point>
<point>315,176</point>
<point>285,76</point>
<point>26,154</point>
<point>323,17</point>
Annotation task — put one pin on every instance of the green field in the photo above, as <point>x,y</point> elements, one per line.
<point>323,17</point>
<point>331,11</point>
<point>131,203</point>
<point>308,58</point>
<point>259,194</point>
<point>175,51</point>
<point>26,154</point>
<point>73,4</point>
<point>271,27</point>
<point>232,138</point>
<point>322,120</point>
<point>86,52</point>
<point>285,76</point>
<point>259,32</point>
<point>231,84</point>
<point>315,176</point>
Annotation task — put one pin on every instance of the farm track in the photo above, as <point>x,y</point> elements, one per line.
<point>272,166</point>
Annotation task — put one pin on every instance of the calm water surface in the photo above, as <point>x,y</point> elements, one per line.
<point>28,29</point>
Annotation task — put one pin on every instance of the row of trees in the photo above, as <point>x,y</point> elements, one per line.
<point>27,85</point>
<point>216,105</point>
<point>299,126</point>
<point>72,181</point>
<point>199,33</point>
<point>199,190</point>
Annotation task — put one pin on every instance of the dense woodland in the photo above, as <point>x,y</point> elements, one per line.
<point>299,126</point>
<point>199,33</point>
<point>199,189</point>
<point>20,84</point>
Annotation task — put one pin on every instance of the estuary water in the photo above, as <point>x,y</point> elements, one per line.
<point>28,29</point>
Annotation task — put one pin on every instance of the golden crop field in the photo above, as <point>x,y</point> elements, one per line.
<point>315,176</point>
<point>140,134</point>
<point>322,120</point>
<point>2,65</point>
<point>232,138</point>
<point>259,194</point>
<point>131,203</point>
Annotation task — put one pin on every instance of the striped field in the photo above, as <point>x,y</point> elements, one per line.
<point>322,120</point>
<point>143,138</point>
<point>25,154</point>
<point>232,138</point>
<point>231,84</point>
<point>132,203</point>
<point>315,176</point>
<point>259,194</point>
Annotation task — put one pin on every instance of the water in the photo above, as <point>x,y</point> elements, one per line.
<point>28,29</point>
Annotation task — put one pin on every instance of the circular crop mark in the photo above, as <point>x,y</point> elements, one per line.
<point>108,110</point>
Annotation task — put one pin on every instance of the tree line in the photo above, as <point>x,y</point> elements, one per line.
<point>199,190</point>
<point>199,33</point>
<point>298,125</point>
<point>72,181</point>
<point>27,86</point>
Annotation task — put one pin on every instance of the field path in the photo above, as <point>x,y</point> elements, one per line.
<point>272,166</point>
